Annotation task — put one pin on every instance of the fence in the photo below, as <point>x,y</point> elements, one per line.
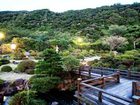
<point>95,86</point>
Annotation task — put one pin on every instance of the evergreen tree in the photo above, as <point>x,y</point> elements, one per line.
<point>51,63</point>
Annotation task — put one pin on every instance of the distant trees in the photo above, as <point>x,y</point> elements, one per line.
<point>131,15</point>
<point>117,30</point>
<point>62,40</point>
<point>78,34</point>
<point>114,42</point>
<point>101,29</point>
<point>81,42</point>
<point>25,43</point>
<point>128,60</point>
<point>44,20</point>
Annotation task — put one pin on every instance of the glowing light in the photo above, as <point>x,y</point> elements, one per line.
<point>13,46</point>
<point>79,40</point>
<point>2,36</point>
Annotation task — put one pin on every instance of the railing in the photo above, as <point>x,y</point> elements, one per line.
<point>104,77</point>
<point>87,71</point>
<point>136,92</point>
<point>124,73</point>
<point>103,80</point>
<point>107,71</point>
<point>96,85</point>
<point>101,92</point>
<point>136,88</point>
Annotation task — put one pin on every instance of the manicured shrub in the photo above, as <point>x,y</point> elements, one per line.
<point>18,54</point>
<point>33,53</point>
<point>26,98</point>
<point>44,84</point>
<point>4,61</point>
<point>26,66</point>
<point>6,68</point>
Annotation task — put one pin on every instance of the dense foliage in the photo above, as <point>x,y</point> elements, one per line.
<point>128,60</point>
<point>70,63</point>
<point>103,29</point>
<point>6,68</point>
<point>51,64</point>
<point>44,84</point>
<point>48,69</point>
<point>4,61</point>
<point>26,98</point>
<point>26,66</point>
<point>112,32</point>
<point>42,25</point>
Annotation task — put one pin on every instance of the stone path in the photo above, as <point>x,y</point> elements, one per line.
<point>11,76</point>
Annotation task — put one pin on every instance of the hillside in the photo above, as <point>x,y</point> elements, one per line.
<point>50,58</point>
<point>73,20</point>
<point>122,20</point>
<point>88,16</point>
<point>112,32</point>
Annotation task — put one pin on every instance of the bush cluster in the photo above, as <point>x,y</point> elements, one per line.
<point>44,84</point>
<point>26,98</point>
<point>6,68</point>
<point>26,66</point>
<point>128,60</point>
<point>4,61</point>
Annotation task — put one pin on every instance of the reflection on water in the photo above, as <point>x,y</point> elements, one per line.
<point>6,100</point>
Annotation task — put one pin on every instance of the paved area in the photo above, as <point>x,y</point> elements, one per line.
<point>11,76</point>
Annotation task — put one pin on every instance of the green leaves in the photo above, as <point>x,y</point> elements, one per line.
<point>26,98</point>
<point>51,65</point>
<point>71,63</point>
<point>44,84</point>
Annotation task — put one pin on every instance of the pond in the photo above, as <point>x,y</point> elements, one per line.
<point>61,97</point>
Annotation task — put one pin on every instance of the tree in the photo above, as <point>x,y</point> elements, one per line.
<point>51,64</point>
<point>63,40</point>
<point>5,48</point>
<point>81,42</point>
<point>114,42</point>
<point>19,42</point>
<point>25,43</point>
<point>70,63</point>
<point>117,30</point>
<point>18,54</point>
<point>98,45</point>
<point>44,84</point>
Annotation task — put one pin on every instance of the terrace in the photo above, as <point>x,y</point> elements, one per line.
<point>104,86</point>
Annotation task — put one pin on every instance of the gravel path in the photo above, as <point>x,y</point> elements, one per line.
<point>11,76</point>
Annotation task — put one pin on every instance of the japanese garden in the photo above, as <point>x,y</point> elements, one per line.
<point>76,57</point>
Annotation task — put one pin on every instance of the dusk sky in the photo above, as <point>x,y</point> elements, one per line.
<point>57,5</point>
